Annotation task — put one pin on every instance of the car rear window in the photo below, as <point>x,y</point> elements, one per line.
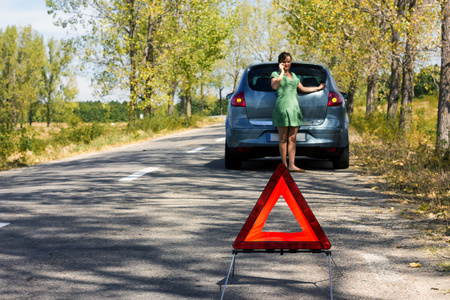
<point>259,76</point>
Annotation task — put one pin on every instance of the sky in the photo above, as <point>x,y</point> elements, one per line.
<point>34,13</point>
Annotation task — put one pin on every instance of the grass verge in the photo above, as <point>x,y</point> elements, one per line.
<point>38,144</point>
<point>408,169</point>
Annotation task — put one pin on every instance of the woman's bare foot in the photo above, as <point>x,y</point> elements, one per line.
<point>295,169</point>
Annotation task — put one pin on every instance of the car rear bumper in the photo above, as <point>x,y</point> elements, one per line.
<point>259,152</point>
<point>319,137</point>
<point>320,142</point>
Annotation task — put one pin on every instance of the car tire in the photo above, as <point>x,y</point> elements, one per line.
<point>231,162</point>
<point>342,161</point>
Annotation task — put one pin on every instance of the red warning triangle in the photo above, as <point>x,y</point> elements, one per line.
<point>251,235</point>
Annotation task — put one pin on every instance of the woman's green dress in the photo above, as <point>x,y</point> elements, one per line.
<point>287,112</point>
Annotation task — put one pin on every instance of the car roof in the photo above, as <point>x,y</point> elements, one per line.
<point>294,62</point>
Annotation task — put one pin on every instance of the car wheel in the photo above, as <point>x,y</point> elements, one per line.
<point>231,162</point>
<point>342,161</point>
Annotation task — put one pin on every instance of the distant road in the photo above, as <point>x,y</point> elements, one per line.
<point>156,220</point>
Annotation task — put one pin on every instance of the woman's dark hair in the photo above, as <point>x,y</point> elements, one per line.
<point>282,56</point>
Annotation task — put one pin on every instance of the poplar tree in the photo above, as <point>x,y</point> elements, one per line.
<point>443,126</point>
<point>58,81</point>
<point>23,55</point>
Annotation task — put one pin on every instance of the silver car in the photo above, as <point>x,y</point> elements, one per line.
<point>249,130</point>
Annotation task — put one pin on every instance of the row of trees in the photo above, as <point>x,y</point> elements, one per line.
<point>114,111</point>
<point>35,80</point>
<point>163,50</point>
<point>361,39</point>
<point>154,49</point>
<point>160,51</point>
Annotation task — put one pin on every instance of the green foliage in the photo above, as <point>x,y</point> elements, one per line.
<point>377,126</point>
<point>32,145</point>
<point>7,145</point>
<point>29,141</point>
<point>78,133</point>
<point>31,77</point>
<point>96,111</point>
<point>22,52</point>
<point>160,123</point>
<point>148,48</point>
<point>427,81</point>
<point>55,91</point>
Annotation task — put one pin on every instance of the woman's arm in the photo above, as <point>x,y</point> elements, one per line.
<point>312,89</point>
<point>275,82</point>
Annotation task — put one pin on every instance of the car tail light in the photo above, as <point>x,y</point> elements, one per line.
<point>243,150</point>
<point>334,99</point>
<point>330,149</point>
<point>238,99</point>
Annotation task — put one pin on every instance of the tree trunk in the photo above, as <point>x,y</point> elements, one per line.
<point>48,107</point>
<point>395,82</point>
<point>372,85</point>
<point>235,80</point>
<point>171,105</point>
<point>408,70</point>
<point>188,104</point>
<point>443,126</point>
<point>149,108</point>
<point>30,113</point>
<point>396,64</point>
<point>132,54</point>
<point>202,97</point>
<point>407,88</point>
<point>220,100</point>
<point>350,103</point>
<point>182,103</point>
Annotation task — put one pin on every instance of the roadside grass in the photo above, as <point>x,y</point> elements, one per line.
<point>36,144</point>
<point>407,164</point>
<point>444,267</point>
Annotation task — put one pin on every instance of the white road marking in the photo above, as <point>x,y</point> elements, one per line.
<point>139,174</point>
<point>4,224</point>
<point>220,140</point>
<point>196,150</point>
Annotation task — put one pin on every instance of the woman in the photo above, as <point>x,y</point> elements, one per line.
<point>287,116</point>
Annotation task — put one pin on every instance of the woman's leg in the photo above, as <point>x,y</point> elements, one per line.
<point>283,143</point>
<point>291,147</point>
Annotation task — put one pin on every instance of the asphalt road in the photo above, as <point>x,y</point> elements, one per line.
<point>156,220</point>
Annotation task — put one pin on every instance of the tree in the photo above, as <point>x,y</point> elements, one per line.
<point>22,52</point>
<point>135,43</point>
<point>443,125</point>
<point>218,82</point>
<point>58,82</point>
<point>237,56</point>
<point>331,33</point>
<point>417,25</point>
<point>121,41</point>
<point>200,34</point>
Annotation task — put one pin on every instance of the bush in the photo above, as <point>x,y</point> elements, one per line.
<point>78,133</point>
<point>7,145</point>
<point>158,123</point>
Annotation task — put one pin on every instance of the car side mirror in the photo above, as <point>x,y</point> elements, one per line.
<point>345,95</point>
<point>229,96</point>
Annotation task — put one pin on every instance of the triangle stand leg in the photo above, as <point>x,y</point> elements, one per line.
<point>329,269</point>
<point>230,270</point>
<point>232,265</point>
